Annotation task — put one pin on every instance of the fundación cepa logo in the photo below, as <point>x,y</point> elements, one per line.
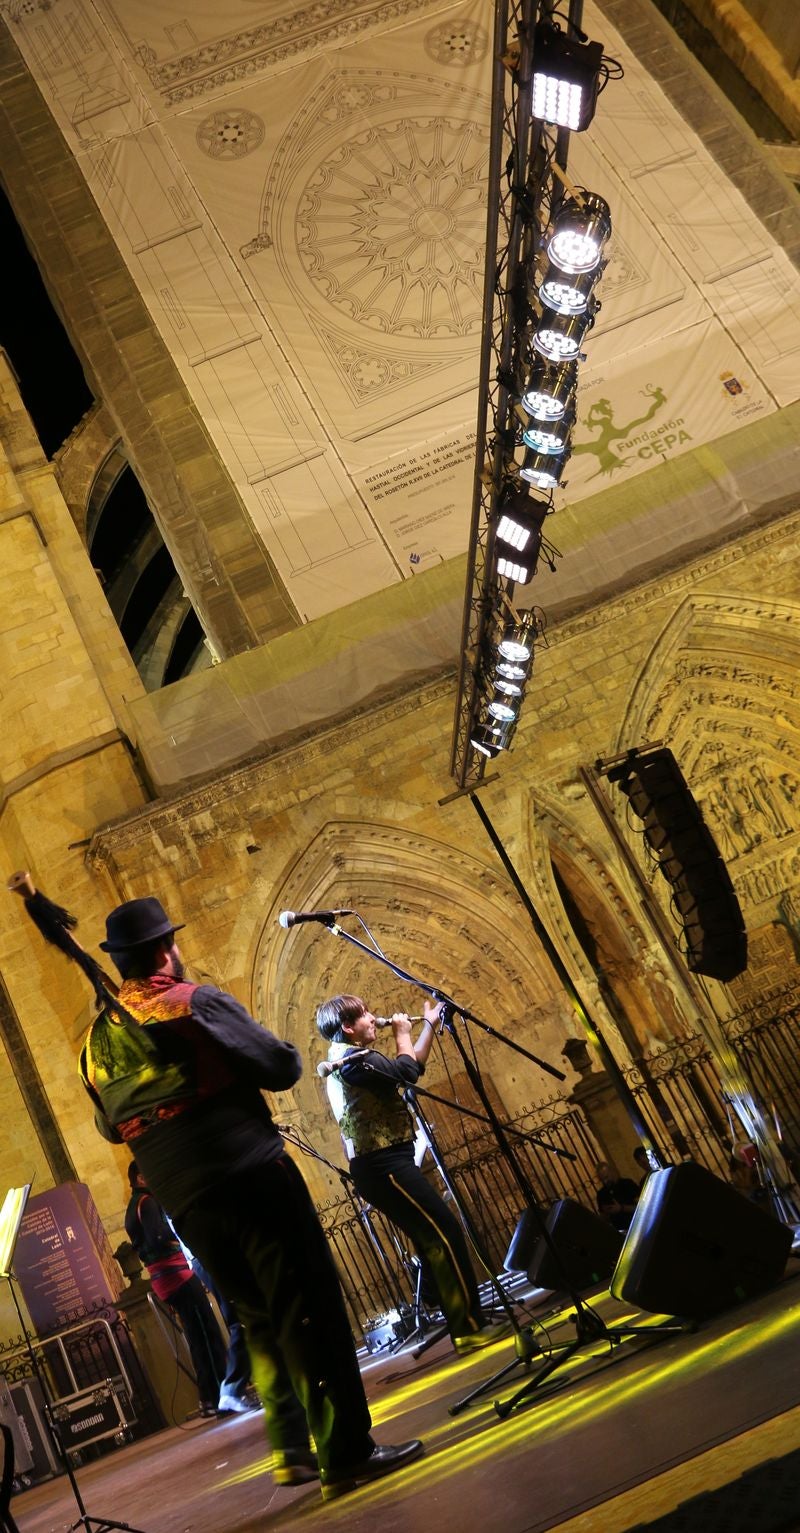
<point>655,443</point>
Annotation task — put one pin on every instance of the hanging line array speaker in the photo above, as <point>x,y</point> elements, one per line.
<point>586,1247</point>
<point>696,1246</point>
<point>703,896</point>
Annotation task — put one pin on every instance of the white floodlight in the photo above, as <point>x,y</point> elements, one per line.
<point>544,470</point>
<point>549,390</point>
<point>566,76</point>
<point>581,230</point>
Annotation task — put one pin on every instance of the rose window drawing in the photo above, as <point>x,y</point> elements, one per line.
<point>457,42</point>
<point>230,135</point>
<point>391,228</point>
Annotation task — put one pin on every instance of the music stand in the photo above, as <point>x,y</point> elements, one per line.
<point>11,1216</point>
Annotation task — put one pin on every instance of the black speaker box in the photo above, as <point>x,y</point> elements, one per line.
<point>703,896</point>
<point>587,1247</point>
<point>696,1245</point>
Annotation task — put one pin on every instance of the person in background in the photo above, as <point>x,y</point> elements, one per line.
<point>617,1196</point>
<point>236,1395</point>
<point>640,1156</point>
<point>175,1285</point>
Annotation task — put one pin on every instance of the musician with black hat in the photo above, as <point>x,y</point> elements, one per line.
<point>176,1071</point>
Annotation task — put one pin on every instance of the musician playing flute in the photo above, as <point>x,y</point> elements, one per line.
<point>365,1092</point>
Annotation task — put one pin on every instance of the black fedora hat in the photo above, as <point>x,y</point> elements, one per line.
<point>135,922</point>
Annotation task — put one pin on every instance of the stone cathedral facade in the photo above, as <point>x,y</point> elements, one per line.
<point>309,766</point>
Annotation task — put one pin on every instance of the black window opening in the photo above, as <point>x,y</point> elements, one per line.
<point>51,379</point>
<point>143,589</point>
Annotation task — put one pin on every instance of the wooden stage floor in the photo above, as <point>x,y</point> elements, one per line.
<point>617,1444</point>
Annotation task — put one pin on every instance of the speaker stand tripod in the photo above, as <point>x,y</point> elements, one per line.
<point>10,1221</point>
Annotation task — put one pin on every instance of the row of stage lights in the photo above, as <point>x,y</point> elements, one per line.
<point>559,310</point>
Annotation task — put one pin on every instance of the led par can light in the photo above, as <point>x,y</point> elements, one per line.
<point>484,738</point>
<point>545,470</point>
<point>549,390</point>
<point>511,670</point>
<point>566,293</point>
<point>519,637</point>
<point>504,709</point>
<point>550,436</point>
<point>559,337</point>
<point>580,232</point>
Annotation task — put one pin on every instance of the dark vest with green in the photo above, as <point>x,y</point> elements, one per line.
<point>374,1116</point>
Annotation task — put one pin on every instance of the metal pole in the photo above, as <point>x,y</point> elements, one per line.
<point>624,1092</point>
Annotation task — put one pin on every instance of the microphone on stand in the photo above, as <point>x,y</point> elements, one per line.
<point>326,1067</point>
<point>289,918</point>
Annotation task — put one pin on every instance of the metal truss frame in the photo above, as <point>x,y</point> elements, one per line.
<point>520,195</point>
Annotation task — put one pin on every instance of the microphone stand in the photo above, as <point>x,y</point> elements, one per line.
<point>361,1211</point>
<point>480,1117</point>
<point>411,1096</point>
<point>527,1345</point>
<point>589,1326</point>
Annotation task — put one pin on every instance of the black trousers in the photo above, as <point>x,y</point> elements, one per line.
<point>203,1337</point>
<point>261,1241</point>
<point>390,1181</point>
<point>238,1373</point>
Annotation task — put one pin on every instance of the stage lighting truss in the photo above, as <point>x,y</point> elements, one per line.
<point>566,78</point>
<point>504,676</point>
<point>546,250</point>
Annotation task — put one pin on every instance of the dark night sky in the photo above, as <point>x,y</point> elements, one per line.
<point>51,378</point>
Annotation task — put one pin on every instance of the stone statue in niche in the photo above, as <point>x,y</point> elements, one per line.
<point>771,798</point>
<point>746,812</point>
<point>715,811</point>
<point>748,821</point>
<point>789,919</point>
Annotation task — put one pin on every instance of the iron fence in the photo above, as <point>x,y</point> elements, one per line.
<point>766,1038</point>
<point>680,1096</point>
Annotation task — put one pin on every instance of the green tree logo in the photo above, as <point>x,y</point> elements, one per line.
<point>601,420</point>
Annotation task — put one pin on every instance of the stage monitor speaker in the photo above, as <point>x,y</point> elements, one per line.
<point>703,896</point>
<point>586,1248</point>
<point>696,1246</point>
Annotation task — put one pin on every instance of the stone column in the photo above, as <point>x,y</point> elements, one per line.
<point>605,1114</point>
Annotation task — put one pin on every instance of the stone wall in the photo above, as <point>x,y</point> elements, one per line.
<point>359,815</point>
<point>66,765</point>
<point>358,812</point>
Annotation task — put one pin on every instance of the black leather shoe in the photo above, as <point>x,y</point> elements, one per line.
<point>382,1460</point>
